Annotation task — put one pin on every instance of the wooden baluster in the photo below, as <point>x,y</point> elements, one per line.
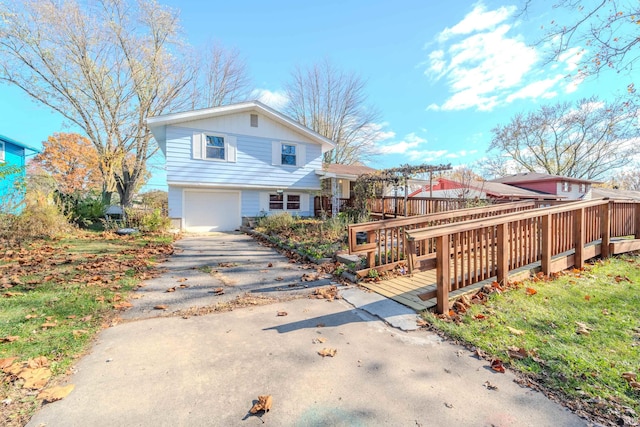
<point>578,238</point>
<point>545,262</point>
<point>443,273</point>
<point>605,229</point>
<point>502,248</point>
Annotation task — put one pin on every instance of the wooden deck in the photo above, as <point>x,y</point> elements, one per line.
<point>406,290</point>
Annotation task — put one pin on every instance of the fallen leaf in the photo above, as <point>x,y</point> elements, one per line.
<point>515,331</point>
<point>263,404</point>
<point>79,332</point>
<point>422,322</point>
<point>490,386</point>
<point>448,405</point>
<point>55,393</point>
<point>218,291</point>
<point>531,291</point>
<point>517,353</point>
<point>583,329</point>
<point>629,376</point>
<point>318,340</point>
<point>270,265</point>
<point>10,338</point>
<point>160,307</point>
<point>480,354</point>
<point>587,297</point>
<point>496,365</point>
<point>282,313</point>
<point>6,362</point>
<point>634,385</point>
<point>331,352</point>
<point>320,325</point>
<point>172,289</point>
<point>479,316</point>
<point>330,293</point>
<point>184,279</point>
<point>35,378</point>
<point>123,305</point>
<point>30,316</point>
<point>279,279</point>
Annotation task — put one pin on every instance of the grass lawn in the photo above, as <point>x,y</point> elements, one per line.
<point>55,296</point>
<point>575,335</point>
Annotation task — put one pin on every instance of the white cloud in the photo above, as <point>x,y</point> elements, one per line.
<point>485,64</point>
<point>477,20</point>
<point>406,146</point>
<point>274,99</point>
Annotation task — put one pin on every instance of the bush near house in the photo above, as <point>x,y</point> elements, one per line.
<point>310,236</point>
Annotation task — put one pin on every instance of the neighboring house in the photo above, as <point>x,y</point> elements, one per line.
<point>569,188</point>
<point>614,193</point>
<point>13,155</point>
<point>448,188</point>
<point>235,161</point>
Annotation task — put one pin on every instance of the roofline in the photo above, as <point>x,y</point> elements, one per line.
<point>546,178</point>
<point>19,144</point>
<point>173,118</point>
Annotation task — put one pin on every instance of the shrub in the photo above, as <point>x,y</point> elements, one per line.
<point>36,221</point>
<point>277,223</point>
<point>147,220</point>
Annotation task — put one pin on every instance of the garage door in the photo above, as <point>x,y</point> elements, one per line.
<point>211,211</point>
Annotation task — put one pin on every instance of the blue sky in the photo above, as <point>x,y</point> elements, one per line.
<point>442,74</point>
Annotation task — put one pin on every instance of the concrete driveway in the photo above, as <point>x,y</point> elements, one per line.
<point>207,370</point>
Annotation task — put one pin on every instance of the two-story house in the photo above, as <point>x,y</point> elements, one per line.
<point>13,163</point>
<point>562,186</point>
<point>235,161</point>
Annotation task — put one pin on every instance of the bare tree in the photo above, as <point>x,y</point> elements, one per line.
<point>627,180</point>
<point>585,141</point>
<point>605,32</point>
<point>222,77</point>
<point>106,66</point>
<point>333,103</point>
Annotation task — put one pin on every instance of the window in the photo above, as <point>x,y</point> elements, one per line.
<point>288,154</point>
<point>293,202</point>
<point>276,202</point>
<point>583,188</point>
<point>254,120</point>
<point>215,147</point>
<point>566,186</point>
<point>1,151</point>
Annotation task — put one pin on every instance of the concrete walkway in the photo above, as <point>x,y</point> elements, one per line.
<point>208,370</point>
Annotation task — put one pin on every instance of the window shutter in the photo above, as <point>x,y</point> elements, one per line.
<point>232,143</point>
<point>197,145</point>
<point>301,155</point>
<point>276,153</point>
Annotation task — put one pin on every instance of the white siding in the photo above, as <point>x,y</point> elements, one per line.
<point>253,166</point>
<point>175,202</point>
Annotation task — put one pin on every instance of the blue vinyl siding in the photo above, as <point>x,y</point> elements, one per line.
<point>252,166</point>
<point>250,203</point>
<point>9,196</point>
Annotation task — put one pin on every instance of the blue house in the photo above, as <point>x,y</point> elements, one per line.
<point>13,156</point>
<point>235,161</point>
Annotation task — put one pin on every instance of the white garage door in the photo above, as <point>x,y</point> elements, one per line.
<point>211,211</point>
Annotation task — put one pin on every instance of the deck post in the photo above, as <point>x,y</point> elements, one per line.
<point>637,221</point>
<point>371,255</point>
<point>443,273</point>
<point>605,229</point>
<point>411,254</point>
<point>578,238</point>
<point>545,261</point>
<point>502,248</point>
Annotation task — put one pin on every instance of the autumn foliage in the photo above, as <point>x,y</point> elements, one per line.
<point>72,161</point>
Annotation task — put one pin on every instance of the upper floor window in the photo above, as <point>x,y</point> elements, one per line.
<point>288,154</point>
<point>1,151</point>
<point>215,147</point>
<point>566,186</point>
<point>583,188</point>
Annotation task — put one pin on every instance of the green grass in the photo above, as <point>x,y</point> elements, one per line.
<point>72,283</point>
<point>605,297</point>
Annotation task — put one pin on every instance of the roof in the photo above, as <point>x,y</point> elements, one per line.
<point>497,189</point>
<point>19,144</point>
<point>158,124</point>
<point>597,193</point>
<point>537,177</point>
<point>351,170</point>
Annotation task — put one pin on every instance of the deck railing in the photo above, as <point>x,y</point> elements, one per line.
<point>559,237</point>
<point>395,206</point>
<point>385,244</point>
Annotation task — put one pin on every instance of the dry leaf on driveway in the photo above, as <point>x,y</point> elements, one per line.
<point>55,393</point>
<point>282,313</point>
<point>160,307</point>
<point>263,404</point>
<point>330,352</point>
